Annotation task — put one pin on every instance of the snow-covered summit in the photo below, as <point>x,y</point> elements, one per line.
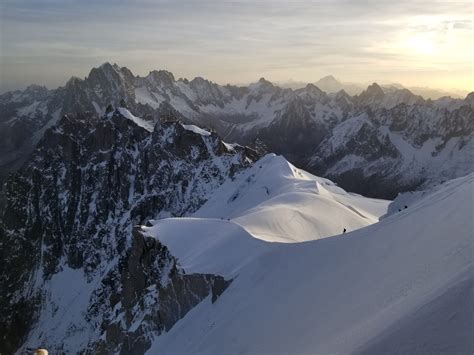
<point>272,201</point>
<point>398,286</point>
<point>275,201</point>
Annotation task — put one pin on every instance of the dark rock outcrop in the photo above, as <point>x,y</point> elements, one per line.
<point>71,210</point>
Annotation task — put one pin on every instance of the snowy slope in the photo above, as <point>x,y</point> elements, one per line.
<point>222,247</point>
<point>272,201</point>
<point>138,121</point>
<point>276,202</point>
<point>335,295</point>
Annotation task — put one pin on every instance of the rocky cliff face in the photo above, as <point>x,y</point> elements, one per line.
<point>296,123</point>
<point>75,275</point>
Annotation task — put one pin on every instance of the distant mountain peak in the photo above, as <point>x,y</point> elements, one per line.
<point>199,80</point>
<point>469,100</point>
<point>262,82</point>
<point>315,92</point>
<point>329,84</point>
<point>73,81</point>
<point>261,85</point>
<point>107,65</point>
<point>163,77</point>
<point>342,93</point>
<point>108,68</point>
<point>35,88</point>
<point>110,75</point>
<point>329,79</point>
<point>374,90</point>
<point>312,87</point>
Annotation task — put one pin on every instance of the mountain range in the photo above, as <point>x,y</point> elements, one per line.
<point>330,84</point>
<point>380,142</point>
<point>119,236</point>
<point>128,225</point>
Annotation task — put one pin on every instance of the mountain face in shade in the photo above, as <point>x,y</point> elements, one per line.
<point>75,272</point>
<point>309,126</point>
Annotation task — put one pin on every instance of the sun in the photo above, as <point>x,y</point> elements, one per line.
<point>422,45</point>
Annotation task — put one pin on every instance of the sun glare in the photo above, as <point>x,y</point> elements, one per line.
<point>422,45</point>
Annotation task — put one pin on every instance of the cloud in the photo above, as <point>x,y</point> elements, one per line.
<point>224,40</point>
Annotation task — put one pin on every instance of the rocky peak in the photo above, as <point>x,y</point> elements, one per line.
<point>343,100</point>
<point>162,78</point>
<point>112,69</point>
<point>261,86</point>
<point>199,81</point>
<point>405,96</point>
<point>372,95</point>
<point>201,86</point>
<point>342,94</point>
<point>108,76</point>
<point>314,89</point>
<point>470,99</point>
<point>207,92</point>
<point>73,82</point>
<point>374,90</point>
<point>312,93</point>
<point>37,91</point>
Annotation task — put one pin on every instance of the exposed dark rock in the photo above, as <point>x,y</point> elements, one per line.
<point>153,291</point>
<point>73,206</point>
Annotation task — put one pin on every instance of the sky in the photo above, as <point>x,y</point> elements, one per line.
<point>415,43</point>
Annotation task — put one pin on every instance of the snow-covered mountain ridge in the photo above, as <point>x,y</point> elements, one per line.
<point>273,202</point>
<point>398,286</point>
<point>402,144</point>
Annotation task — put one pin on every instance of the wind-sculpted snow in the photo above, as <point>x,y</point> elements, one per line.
<point>411,135</point>
<point>207,245</point>
<point>272,201</point>
<point>376,289</point>
<point>275,201</point>
<point>75,276</point>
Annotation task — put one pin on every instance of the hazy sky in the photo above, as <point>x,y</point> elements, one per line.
<point>422,43</point>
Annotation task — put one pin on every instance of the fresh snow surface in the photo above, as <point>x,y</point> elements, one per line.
<point>143,96</point>
<point>196,129</point>
<point>334,295</point>
<point>274,202</point>
<point>139,121</point>
<point>277,202</point>
<point>210,246</point>
<point>67,297</point>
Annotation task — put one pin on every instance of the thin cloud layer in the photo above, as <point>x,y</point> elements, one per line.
<point>424,43</point>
